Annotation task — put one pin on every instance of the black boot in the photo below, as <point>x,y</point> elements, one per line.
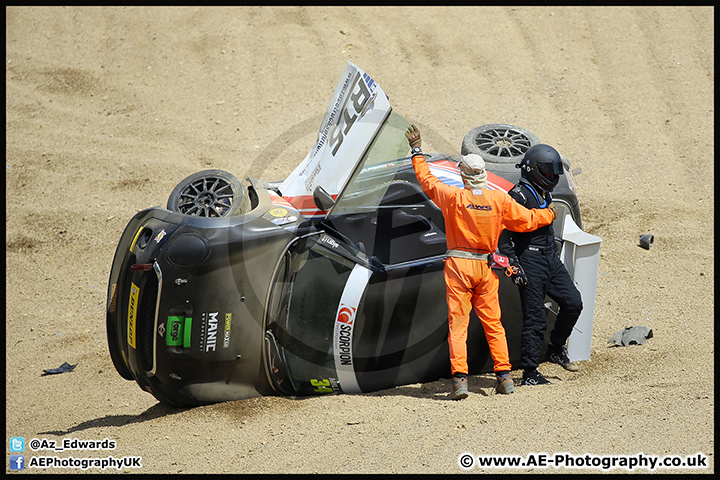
<point>533,377</point>
<point>559,355</point>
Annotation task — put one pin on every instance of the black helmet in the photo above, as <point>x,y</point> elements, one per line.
<point>542,166</point>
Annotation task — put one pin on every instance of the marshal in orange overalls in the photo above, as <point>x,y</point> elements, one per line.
<point>474,220</point>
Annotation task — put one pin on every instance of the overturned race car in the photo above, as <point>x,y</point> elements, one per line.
<point>330,281</point>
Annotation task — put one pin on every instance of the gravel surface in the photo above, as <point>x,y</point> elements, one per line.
<point>108,108</point>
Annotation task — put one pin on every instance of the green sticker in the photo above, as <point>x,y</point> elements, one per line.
<point>175,327</point>
<point>187,332</point>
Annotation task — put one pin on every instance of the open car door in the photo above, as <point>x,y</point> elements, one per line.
<point>355,113</point>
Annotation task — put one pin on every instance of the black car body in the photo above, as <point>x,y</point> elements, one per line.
<point>328,282</point>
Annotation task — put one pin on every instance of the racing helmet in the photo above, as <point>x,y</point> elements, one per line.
<point>541,165</point>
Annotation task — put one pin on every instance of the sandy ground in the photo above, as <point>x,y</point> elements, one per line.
<point>108,108</point>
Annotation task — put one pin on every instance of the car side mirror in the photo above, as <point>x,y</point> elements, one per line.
<point>323,200</point>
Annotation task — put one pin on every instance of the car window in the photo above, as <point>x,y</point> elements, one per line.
<point>383,211</point>
<point>299,327</point>
<point>376,170</point>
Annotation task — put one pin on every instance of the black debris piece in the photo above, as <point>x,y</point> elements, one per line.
<point>65,367</point>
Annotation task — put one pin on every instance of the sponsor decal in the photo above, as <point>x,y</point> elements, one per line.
<point>346,315</point>
<point>329,241</point>
<point>113,297</point>
<point>208,331</point>
<point>132,314</point>
<point>226,334</point>
<point>284,220</point>
<point>324,385</point>
<point>175,327</point>
<point>486,208</point>
<point>160,236</point>
<point>278,212</point>
<point>343,334</point>
<point>353,108</point>
<point>343,331</point>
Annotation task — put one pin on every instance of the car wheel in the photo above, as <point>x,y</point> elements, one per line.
<point>210,193</point>
<point>499,143</point>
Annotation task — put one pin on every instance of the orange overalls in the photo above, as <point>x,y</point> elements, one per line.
<point>474,220</point>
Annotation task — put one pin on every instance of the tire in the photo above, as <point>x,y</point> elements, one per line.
<point>499,143</point>
<point>210,193</point>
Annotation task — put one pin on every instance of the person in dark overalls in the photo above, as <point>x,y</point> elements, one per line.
<point>540,271</point>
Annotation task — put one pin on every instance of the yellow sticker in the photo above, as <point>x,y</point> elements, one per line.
<point>228,325</point>
<point>278,212</point>
<point>323,386</point>
<point>113,297</point>
<point>132,245</point>
<point>132,314</point>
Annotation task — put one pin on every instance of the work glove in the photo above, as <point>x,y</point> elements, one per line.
<point>413,136</point>
<point>554,209</point>
<point>517,273</point>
